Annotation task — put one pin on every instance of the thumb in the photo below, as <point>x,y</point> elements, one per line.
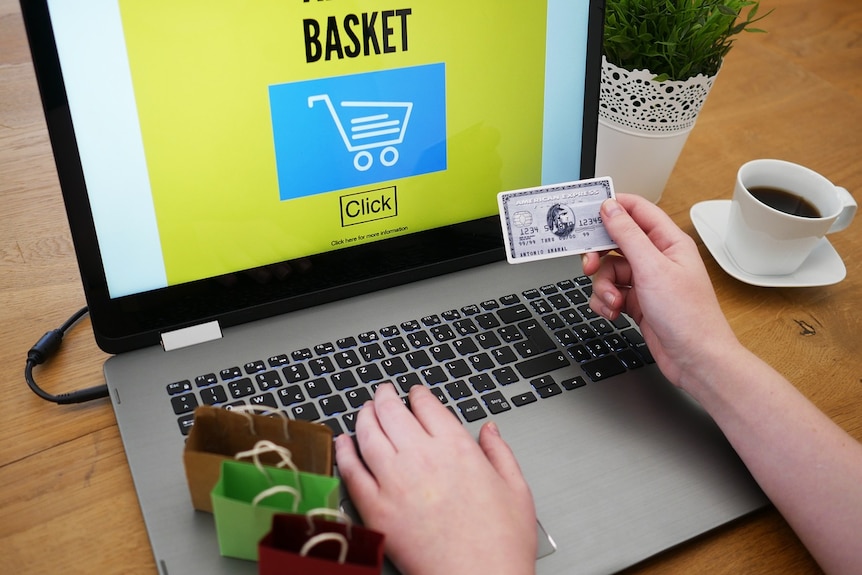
<point>500,455</point>
<point>630,232</point>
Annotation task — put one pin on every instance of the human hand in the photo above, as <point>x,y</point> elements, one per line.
<point>446,504</point>
<point>658,278</point>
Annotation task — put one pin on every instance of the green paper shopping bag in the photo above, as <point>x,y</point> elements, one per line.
<point>247,495</point>
<point>309,545</point>
<point>219,434</point>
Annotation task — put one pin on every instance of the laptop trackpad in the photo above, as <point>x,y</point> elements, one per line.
<point>546,545</point>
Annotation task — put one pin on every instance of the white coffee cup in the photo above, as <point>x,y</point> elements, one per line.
<point>763,240</point>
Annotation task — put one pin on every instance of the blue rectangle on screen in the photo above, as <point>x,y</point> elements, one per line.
<point>347,131</point>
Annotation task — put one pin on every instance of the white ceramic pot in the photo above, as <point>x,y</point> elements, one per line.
<point>643,126</point>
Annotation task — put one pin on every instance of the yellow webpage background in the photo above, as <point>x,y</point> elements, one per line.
<point>201,72</point>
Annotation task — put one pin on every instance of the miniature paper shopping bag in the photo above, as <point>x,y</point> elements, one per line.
<point>247,495</point>
<point>219,434</point>
<point>307,545</point>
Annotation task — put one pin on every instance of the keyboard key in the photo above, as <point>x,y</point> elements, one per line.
<point>334,426</point>
<point>458,390</point>
<point>524,399</point>
<point>510,299</point>
<point>332,405</point>
<point>419,339</point>
<point>579,353</point>
<point>230,373</point>
<point>515,313</point>
<point>431,320</point>
<point>253,367</point>
<point>290,395</point>
<point>442,333</point>
<point>496,403</point>
<point>358,397</point>
<point>185,403</point>
<point>442,352</point>
<point>349,420</point>
<point>305,412</point>
<point>488,340</point>
<point>481,361</point>
<point>537,335</point>
<point>396,345</point>
<point>295,373</point>
<point>465,327</point>
<point>418,359</point>
<point>503,355</point>
<point>393,365</point>
<point>179,387</point>
<point>372,352</point>
<point>346,359</point>
<point>389,331</point>
<point>487,321</point>
<point>434,375</point>
<point>321,365</point>
<point>630,359</point>
<point>346,342</point>
<point>410,325</point>
<point>263,400</point>
<point>406,381</point>
<point>368,373</point>
<point>324,348</point>
<point>472,309</point>
<point>458,368</point>
<point>505,375</point>
<point>546,391</point>
<point>489,305</point>
<point>267,380</point>
<point>317,387</point>
<point>465,346</point>
<point>213,395</point>
<point>471,410</point>
<point>204,380</point>
<point>482,383</point>
<point>559,301</point>
<point>573,383</point>
<point>301,354</point>
<point>343,380</point>
<point>599,369</point>
<point>241,388</point>
<point>186,422</point>
<point>541,364</point>
<point>368,336</point>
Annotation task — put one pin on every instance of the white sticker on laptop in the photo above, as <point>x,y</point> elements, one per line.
<point>554,221</point>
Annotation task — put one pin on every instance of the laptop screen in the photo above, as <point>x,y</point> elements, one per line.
<point>304,145</point>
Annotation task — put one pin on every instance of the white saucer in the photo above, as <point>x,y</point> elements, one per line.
<point>823,267</point>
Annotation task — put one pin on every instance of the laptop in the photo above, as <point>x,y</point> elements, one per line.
<point>270,199</point>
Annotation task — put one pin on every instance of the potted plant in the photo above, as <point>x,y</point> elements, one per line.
<point>660,59</point>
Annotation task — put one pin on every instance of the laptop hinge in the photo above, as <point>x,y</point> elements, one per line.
<point>193,335</point>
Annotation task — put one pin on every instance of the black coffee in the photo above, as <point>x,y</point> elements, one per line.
<point>785,201</point>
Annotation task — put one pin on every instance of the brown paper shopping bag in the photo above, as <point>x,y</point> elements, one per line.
<point>220,434</point>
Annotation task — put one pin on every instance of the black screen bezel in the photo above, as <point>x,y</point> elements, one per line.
<point>135,321</point>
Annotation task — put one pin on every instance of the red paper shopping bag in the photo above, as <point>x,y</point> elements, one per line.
<point>309,545</point>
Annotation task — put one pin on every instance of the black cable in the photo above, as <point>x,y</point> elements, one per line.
<point>46,347</point>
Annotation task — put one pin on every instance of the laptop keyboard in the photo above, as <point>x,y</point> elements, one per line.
<point>468,357</point>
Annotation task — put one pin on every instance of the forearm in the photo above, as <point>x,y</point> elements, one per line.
<point>809,467</point>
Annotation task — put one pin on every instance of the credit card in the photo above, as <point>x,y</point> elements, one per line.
<point>554,221</point>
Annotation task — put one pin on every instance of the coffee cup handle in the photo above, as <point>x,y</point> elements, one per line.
<point>847,211</point>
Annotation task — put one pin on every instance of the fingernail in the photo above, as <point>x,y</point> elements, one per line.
<point>611,207</point>
<point>609,298</point>
<point>492,427</point>
<point>583,259</point>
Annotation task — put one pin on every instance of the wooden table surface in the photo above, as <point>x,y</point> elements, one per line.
<point>66,497</point>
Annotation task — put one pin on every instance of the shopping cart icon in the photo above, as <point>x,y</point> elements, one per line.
<point>368,126</point>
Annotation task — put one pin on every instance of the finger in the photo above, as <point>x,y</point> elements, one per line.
<point>373,442</point>
<point>500,456</point>
<point>361,484</point>
<point>433,415</point>
<point>395,420</point>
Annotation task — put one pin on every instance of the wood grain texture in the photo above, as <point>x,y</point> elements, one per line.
<point>66,495</point>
